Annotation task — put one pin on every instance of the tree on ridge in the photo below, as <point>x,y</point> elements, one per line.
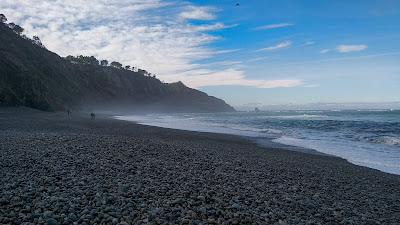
<point>36,40</point>
<point>16,28</point>
<point>3,18</point>
<point>116,64</point>
<point>104,62</point>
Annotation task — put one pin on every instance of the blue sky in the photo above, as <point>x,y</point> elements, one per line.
<point>259,53</point>
<point>369,75</point>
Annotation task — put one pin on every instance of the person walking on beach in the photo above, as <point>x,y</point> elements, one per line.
<point>69,113</point>
<point>92,116</point>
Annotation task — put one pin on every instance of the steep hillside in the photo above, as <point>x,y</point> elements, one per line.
<point>35,77</point>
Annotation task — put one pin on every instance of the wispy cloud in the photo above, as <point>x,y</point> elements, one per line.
<point>155,35</point>
<point>278,46</point>
<point>225,51</point>
<point>198,13</point>
<point>351,48</point>
<point>340,59</point>
<point>274,26</point>
<point>226,63</point>
<point>308,43</point>
<point>212,27</point>
<point>323,51</point>
<point>236,77</point>
<point>345,49</point>
<point>257,59</point>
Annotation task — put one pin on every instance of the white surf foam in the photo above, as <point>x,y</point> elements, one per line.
<point>363,154</point>
<point>383,155</point>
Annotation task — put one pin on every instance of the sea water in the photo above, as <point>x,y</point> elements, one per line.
<point>364,137</point>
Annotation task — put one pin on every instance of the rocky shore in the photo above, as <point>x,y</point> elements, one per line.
<point>55,170</point>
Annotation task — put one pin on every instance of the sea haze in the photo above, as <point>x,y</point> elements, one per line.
<point>364,137</point>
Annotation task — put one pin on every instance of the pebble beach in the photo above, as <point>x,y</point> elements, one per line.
<point>59,170</point>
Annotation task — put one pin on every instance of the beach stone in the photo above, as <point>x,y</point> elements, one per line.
<point>4,201</point>
<point>235,206</point>
<point>52,221</point>
<point>177,201</point>
<point>201,198</point>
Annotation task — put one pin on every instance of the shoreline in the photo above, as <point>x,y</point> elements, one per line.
<point>266,143</point>
<point>74,170</point>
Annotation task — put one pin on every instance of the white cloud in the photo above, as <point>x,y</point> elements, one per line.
<point>153,35</point>
<point>345,49</point>
<point>278,46</point>
<point>212,27</point>
<point>234,77</point>
<point>226,63</point>
<point>274,26</point>
<point>350,48</point>
<point>258,59</point>
<point>344,58</point>
<point>226,51</point>
<point>323,51</point>
<point>198,13</point>
<point>308,43</point>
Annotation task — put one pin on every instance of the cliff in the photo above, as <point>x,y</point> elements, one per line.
<point>32,76</point>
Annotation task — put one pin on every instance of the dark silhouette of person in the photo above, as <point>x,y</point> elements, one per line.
<point>92,116</point>
<point>69,113</point>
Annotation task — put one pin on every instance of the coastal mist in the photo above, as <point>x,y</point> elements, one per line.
<point>364,137</point>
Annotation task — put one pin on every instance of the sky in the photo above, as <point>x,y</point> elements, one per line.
<point>260,52</point>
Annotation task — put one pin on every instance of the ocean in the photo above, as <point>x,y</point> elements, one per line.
<point>368,138</point>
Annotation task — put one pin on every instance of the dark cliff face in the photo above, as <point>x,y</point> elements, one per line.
<point>35,77</point>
